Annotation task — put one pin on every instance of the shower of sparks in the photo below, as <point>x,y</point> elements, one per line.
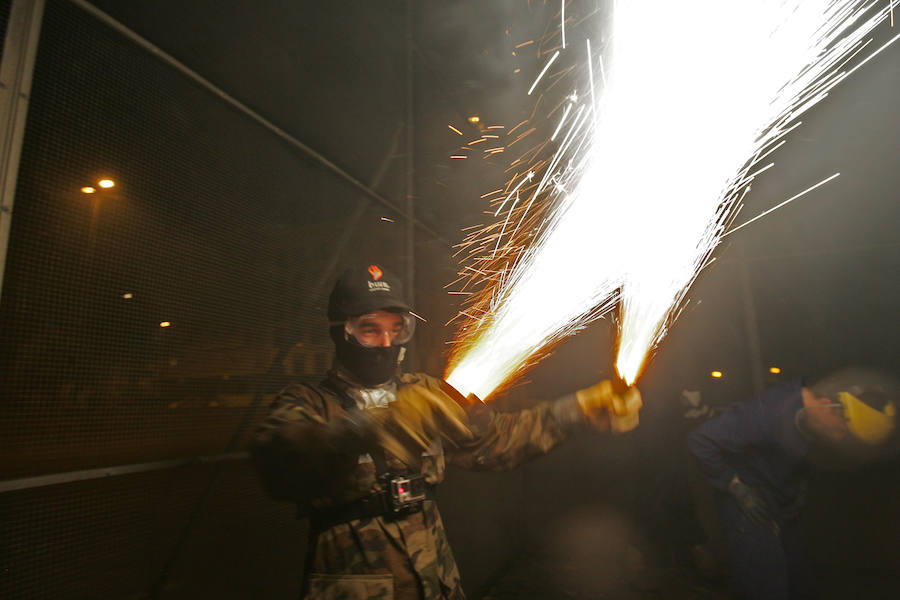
<point>782,63</point>
<point>515,190</point>
<point>649,174</point>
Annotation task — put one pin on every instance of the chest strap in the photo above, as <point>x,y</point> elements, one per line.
<point>375,505</point>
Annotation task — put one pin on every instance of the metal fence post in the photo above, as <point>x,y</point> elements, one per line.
<point>16,71</point>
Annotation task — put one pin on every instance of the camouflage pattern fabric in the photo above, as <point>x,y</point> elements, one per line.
<point>305,452</point>
<point>349,587</point>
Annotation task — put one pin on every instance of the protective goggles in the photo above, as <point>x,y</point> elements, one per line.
<point>381,328</point>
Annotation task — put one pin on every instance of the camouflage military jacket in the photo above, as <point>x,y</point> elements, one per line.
<point>304,454</point>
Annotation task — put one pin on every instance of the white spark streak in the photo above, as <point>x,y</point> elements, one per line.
<point>689,105</point>
<point>562,22</point>
<point>774,208</point>
<point>873,55</point>
<point>544,70</point>
<point>591,79</point>
<point>515,189</point>
<point>561,121</point>
<point>505,223</point>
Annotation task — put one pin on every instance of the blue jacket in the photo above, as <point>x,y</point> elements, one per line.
<point>758,441</point>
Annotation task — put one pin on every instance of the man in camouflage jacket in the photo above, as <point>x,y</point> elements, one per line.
<point>335,447</point>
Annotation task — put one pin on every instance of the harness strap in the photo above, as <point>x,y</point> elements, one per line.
<point>341,389</point>
<point>375,505</point>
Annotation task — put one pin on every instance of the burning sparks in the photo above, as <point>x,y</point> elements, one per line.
<point>783,63</point>
<point>562,22</point>
<point>544,70</point>
<point>774,208</point>
<point>630,202</point>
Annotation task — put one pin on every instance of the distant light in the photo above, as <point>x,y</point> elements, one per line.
<point>775,370</point>
<point>474,119</point>
<point>128,295</point>
<point>106,183</point>
<point>165,324</point>
<point>717,374</point>
<point>88,190</point>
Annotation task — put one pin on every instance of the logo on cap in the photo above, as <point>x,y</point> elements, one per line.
<point>375,272</point>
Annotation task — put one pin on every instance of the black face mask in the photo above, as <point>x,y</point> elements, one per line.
<point>371,366</point>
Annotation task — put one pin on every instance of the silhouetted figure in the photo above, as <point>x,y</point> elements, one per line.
<point>756,455</point>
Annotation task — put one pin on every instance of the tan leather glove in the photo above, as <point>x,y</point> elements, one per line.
<point>605,409</point>
<point>419,415</point>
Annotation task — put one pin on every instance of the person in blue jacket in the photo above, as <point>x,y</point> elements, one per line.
<point>756,455</point>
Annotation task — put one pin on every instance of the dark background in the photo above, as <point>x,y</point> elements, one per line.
<point>234,235</point>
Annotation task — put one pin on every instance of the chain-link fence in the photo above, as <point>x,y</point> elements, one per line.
<point>167,269</point>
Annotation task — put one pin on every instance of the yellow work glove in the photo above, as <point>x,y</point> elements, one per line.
<point>419,415</point>
<point>606,409</point>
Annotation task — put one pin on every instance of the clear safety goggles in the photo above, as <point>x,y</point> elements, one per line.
<point>381,328</point>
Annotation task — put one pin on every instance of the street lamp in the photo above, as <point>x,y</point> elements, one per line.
<point>103,184</point>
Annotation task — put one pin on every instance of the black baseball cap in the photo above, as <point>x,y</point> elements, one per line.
<point>364,288</point>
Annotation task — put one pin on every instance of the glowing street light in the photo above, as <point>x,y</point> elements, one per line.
<point>775,370</point>
<point>88,190</point>
<point>106,183</point>
<point>127,295</point>
<point>165,324</point>
<point>474,119</point>
<point>716,374</point>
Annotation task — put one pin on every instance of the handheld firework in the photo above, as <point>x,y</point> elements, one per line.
<point>663,146</point>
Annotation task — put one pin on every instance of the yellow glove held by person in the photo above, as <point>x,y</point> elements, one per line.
<point>410,424</point>
<point>605,409</point>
